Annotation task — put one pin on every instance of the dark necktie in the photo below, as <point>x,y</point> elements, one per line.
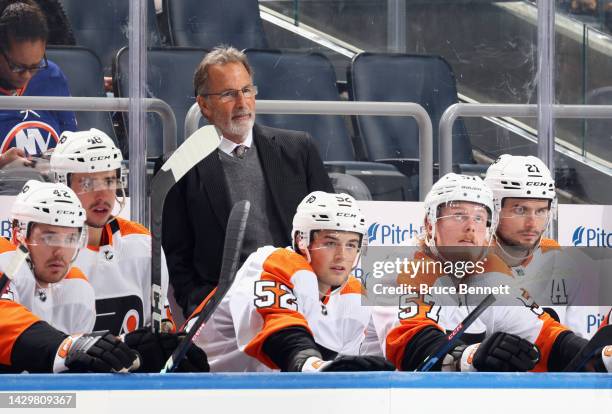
<point>240,151</point>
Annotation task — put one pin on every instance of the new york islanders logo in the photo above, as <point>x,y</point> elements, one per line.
<point>32,135</point>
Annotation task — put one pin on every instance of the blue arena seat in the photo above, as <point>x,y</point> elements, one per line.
<point>599,131</point>
<point>390,77</point>
<point>303,77</point>
<point>208,23</point>
<point>169,78</point>
<point>102,26</point>
<point>284,75</point>
<point>85,78</point>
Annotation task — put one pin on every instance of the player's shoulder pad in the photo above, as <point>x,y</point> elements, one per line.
<point>427,270</point>
<point>76,273</point>
<point>6,245</point>
<point>284,263</point>
<point>494,264</point>
<point>127,227</point>
<point>353,285</point>
<point>547,245</point>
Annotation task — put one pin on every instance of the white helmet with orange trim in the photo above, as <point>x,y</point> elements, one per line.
<point>327,211</point>
<point>452,188</point>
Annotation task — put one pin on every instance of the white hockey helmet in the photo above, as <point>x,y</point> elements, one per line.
<point>327,211</point>
<point>520,176</point>
<point>47,203</point>
<point>458,187</point>
<point>84,152</point>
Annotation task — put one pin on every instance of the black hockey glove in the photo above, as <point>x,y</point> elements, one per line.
<point>155,349</point>
<point>348,363</point>
<point>504,352</point>
<point>95,353</point>
<point>602,362</point>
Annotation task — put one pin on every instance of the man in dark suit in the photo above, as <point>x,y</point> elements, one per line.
<point>272,168</point>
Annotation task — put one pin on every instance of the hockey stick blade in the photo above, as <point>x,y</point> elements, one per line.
<point>195,148</point>
<point>234,236</point>
<point>19,257</point>
<point>453,337</point>
<point>601,338</point>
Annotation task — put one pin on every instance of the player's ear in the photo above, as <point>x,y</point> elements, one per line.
<point>204,106</point>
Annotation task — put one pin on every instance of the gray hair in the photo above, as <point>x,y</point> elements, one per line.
<point>220,55</point>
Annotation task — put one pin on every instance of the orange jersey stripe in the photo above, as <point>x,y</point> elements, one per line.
<point>6,245</point>
<point>14,320</point>
<point>546,339</point>
<point>131,227</point>
<point>353,285</point>
<point>76,273</point>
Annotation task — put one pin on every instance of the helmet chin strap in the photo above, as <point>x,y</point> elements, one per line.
<point>512,253</point>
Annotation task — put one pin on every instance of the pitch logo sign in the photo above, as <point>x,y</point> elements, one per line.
<point>392,234</point>
<point>591,237</point>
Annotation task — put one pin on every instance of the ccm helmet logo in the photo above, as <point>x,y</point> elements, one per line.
<point>65,212</point>
<point>106,157</point>
<point>535,184</point>
<point>345,215</point>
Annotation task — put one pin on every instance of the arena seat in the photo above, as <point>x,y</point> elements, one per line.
<point>169,78</point>
<point>393,77</point>
<point>208,23</point>
<point>599,135</point>
<point>85,78</point>
<point>102,26</point>
<point>285,75</point>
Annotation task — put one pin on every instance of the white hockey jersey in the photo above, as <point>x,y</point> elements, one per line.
<point>68,305</point>
<point>565,282</point>
<point>396,328</point>
<point>276,288</point>
<point>120,273</point>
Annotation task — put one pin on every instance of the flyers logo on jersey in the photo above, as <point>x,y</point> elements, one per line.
<point>607,351</point>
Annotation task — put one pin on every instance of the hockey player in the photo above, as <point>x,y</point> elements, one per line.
<point>517,336</point>
<point>49,222</point>
<point>525,198</point>
<point>298,309</point>
<point>30,344</point>
<point>117,259</point>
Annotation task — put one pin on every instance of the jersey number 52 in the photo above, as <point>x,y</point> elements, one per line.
<point>270,293</point>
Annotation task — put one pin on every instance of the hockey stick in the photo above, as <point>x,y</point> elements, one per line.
<point>195,148</point>
<point>234,235</point>
<point>601,338</point>
<point>454,336</point>
<point>19,257</point>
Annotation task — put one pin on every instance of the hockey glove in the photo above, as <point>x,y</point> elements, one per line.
<point>156,348</point>
<point>101,352</point>
<point>348,363</point>
<point>603,360</point>
<point>501,352</point>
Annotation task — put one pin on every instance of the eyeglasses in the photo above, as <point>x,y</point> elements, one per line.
<point>19,69</point>
<point>350,247</point>
<point>90,184</point>
<point>540,214</point>
<point>464,218</point>
<point>229,95</point>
